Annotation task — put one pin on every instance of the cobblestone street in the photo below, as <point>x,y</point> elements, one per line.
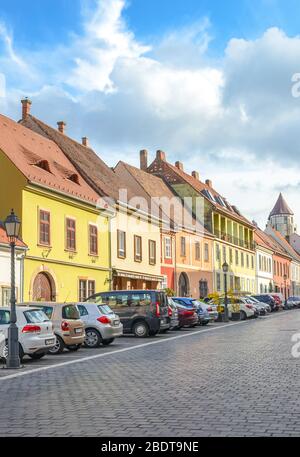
<point>237,380</point>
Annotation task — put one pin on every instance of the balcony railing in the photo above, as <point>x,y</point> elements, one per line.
<point>235,240</point>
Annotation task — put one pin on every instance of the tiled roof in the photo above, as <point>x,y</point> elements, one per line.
<point>274,244</point>
<point>5,240</point>
<point>281,207</point>
<point>284,244</point>
<point>99,176</point>
<point>153,186</point>
<point>41,161</point>
<point>170,173</point>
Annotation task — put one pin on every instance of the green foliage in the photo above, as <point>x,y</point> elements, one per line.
<point>170,292</point>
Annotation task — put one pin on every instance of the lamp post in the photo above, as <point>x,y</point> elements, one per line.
<point>225,268</point>
<point>285,291</point>
<point>12,228</point>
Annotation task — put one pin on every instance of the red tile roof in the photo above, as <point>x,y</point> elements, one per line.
<point>5,240</point>
<point>171,174</point>
<point>41,161</point>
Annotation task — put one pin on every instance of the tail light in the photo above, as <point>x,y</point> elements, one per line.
<point>65,326</point>
<point>157,310</point>
<point>104,320</point>
<point>188,313</point>
<point>31,329</point>
<point>209,309</point>
<point>170,312</point>
<point>249,306</point>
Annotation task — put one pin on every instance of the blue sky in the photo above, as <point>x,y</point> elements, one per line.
<point>208,81</point>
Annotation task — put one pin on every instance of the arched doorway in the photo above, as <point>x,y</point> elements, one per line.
<point>43,288</point>
<point>183,285</point>
<point>203,288</point>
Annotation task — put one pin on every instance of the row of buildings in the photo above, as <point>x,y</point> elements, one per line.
<point>87,227</point>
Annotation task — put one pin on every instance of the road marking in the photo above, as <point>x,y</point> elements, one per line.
<point>131,348</point>
<point>118,351</point>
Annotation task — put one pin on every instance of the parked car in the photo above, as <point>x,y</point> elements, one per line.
<point>187,316</point>
<point>265,305</point>
<point>173,314</point>
<point>36,335</point>
<point>203,315</point>
<point>294,302</point>
<point>67,325</point>
<point>101,324</point>
<point>267,298</point>
<point>142,312</point>
<point>211,309</point>
<point>258,307</point>
<point>247,310</point>
<point>280,301</point>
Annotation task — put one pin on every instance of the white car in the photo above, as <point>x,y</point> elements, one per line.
<point>101,324</point>
<point>36,335</point>
<point>246,309</point>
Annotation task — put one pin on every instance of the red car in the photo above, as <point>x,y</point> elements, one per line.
<point>187,316</point>
<point>278,300</point>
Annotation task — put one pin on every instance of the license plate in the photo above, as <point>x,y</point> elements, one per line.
<point>116,322</point>
<point>78,330</point>
<point>162,321</point>
<point>49,342</point>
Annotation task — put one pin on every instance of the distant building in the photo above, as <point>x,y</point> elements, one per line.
<point>281,218</point>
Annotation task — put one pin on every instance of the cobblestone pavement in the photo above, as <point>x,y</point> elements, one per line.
<point>237,380</point>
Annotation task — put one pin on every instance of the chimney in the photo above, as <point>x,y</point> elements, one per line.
<point>25,107</point>
<point>179,165</point>
<point>85,141</point>
<point>195,175</point>
<point>61,126</point>
<point>161,155</point>
<point>144,159</point>
<point>208,183</point>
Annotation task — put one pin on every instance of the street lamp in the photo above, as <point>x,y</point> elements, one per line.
<point>12,228</point>
<point>225,268</point>
<point>285,291</point>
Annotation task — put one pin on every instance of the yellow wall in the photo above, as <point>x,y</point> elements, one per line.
<point>133,225</point>
<point>11,184</point>
<point>66,267</point>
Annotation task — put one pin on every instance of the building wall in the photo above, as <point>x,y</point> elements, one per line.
<point>264,271</point>
<point>133,225</point>
<point>5,275</point>
<point>168,260</point>
<point>63,266</point>
<point>278,274</point>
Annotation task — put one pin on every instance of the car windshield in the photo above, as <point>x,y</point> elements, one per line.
<point>70,312</point>
<point>105,309</point>
<point>96,299</point>
<point>35,316</point>
<point>48,310</point>
<point>197,303</point>
<point>4,316</point>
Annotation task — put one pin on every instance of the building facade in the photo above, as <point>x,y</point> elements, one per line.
<point>63,225</point>
<point>264,263</point>
<point>233,234</point>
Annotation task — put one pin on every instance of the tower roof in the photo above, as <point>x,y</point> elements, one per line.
<point>281,207</point>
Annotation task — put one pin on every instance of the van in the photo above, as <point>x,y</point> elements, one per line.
<point>142,312</point>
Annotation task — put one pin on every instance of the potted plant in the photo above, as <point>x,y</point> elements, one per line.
<point>235,307</point>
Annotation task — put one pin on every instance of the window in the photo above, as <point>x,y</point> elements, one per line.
<point>242,259</point>
<point>71,234</point>
<point>35,316</point>
<point>224,253</point>
<point>197,250</point>
<point>82,310</point>
<point>206,252</point>
<point>252,262</point>
<point>44,237</point>
<point>93,235</point>
<point>182,246</point>
<point>230,256</point>
<point>87,287</point>
<point>137,248</point>
<point>168,248</point>
<point>247,260</point>
<point>152,252</point>
<point>236,257</point>
<point>218,282</point>
<point>218,254</point>
<point>4,317</point>
<point>70,312</point>
<point>121,244</point>
<point>6,296</point>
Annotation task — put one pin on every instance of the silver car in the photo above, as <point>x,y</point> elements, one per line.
<point>173,313</point>
<point>101,324</point>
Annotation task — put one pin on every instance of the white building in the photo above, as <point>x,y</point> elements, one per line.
<point>5,269</point>
<point>264,263</point>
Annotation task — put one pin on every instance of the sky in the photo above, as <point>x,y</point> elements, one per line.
<point>213,84</point>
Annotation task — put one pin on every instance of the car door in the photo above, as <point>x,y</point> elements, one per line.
<point>84,314</point>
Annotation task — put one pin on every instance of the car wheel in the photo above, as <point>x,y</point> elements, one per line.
<point>243,316</point>
<point>73,347</point>
<point>108,341</point>
<point>37,356</point>
<point>92,338</point>
<point>205,323</point>
<point>140,329</point>
<point>4,352</point>
<point>59,346</point>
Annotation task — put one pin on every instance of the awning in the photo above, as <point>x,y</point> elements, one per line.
<point>133,275</point>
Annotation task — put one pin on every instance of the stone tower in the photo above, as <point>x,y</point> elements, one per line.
<point>281,218</point>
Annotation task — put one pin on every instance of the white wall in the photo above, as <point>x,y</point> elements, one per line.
<point>264,270</point>
<point>5,274</point>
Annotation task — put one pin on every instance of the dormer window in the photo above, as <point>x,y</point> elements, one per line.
<point>74,178</point>
<point>44,164</point>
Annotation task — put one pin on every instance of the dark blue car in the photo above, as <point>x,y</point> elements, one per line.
<point>203,315</point>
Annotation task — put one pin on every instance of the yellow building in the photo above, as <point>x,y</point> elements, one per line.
<point>135,249</point>
<point>234,234</point>
<point>64,223</point>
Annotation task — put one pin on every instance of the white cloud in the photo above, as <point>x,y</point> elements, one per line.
<point>234,119</point>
